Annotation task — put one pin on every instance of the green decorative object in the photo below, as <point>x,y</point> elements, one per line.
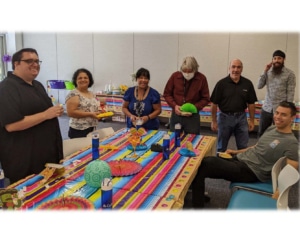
<point>95,172</point>
<point>189,107</point>
<point>69,85</point>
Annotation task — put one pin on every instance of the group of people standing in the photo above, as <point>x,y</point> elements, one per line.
<point>29,120</point>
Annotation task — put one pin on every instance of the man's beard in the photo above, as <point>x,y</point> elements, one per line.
<point>277,69</point>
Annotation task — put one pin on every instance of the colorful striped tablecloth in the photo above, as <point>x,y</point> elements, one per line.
<point>114,104</point>
<point>161,184</point>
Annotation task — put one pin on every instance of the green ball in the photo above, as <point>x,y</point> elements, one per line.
<point>95,172</point>
<point>189,107</point>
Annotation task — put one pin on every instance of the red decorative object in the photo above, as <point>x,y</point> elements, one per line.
<point>67,203</point>
<point>124,167</point>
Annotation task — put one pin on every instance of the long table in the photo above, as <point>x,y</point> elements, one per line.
<point>114,104</point>
<point>161,184</point>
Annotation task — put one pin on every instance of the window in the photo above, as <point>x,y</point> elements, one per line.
<point>3,65</point>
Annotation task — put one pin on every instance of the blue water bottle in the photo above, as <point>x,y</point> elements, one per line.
<point>95,145</point>
<point>166,146</point>
<point>1,178</point>
<point>177,134</point>
<point>106,193</point>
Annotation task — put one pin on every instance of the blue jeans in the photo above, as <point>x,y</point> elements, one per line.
<point>265,120</point>
<point>236,125</point>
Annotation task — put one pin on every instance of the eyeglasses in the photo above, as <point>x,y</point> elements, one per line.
<point>31,61</point>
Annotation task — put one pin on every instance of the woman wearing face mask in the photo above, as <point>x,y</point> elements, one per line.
<point>186,86</point>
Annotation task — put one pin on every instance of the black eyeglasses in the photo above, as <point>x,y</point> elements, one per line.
<point>31,61</point>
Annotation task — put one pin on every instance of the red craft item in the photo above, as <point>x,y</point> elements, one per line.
<point>124,167</point>
<point>67,203</point>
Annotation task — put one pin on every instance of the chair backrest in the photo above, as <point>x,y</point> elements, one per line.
<point>287,178</point>
<point>72,145</point>
<point>277,167</point>
<point>104,132</point>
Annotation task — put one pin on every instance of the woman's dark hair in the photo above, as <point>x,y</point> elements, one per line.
<point>18,55</point>
<point>289,105</point>
<point>89,74</point>
<point>142,72</point>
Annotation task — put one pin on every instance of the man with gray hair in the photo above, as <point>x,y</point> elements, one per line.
<point>187,86</point>
<point>281,84</point>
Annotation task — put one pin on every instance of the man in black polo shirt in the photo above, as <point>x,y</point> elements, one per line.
<point>29,129</point>
<point>232,95</point>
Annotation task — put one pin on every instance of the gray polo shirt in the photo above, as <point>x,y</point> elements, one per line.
<point>271,146</point>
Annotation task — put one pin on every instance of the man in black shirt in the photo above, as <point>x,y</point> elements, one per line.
<point>29,129</point>
<point>232,95</point>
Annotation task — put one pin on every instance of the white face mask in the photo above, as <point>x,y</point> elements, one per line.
<point>188,76</point>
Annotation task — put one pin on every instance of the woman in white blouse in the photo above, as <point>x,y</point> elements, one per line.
<point>82,105</point>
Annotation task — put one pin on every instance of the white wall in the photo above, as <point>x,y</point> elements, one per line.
<point>112,57</point>
<point>11,43</point>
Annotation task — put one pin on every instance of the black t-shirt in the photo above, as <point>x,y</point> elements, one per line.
<point>233,97</point>
<point>25,152</point>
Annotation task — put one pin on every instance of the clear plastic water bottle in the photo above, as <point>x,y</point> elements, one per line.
<point>139,123</point>
<point>177,134</point>
<point>106,193</point>
<point>166,146</point>
<point>95,146</point>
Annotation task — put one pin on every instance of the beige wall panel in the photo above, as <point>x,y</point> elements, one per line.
<point>292,59</point>
<point>74,51</point>
<point>45,44</point>
<point>113,59</point>
<point>255,51</point>
<point>158,53</point>
<point>210,51</point>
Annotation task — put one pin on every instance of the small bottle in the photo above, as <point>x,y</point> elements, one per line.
<point>177,134</point>
<point>1,178</point>
<point>95,145</point>
<point>166,146</point>
<point>106,193</point>
<point>139,123</point>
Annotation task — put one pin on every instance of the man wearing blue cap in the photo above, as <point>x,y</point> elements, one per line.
<point>281,84</point>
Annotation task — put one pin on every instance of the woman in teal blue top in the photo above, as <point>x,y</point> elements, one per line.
<point>142,103</point>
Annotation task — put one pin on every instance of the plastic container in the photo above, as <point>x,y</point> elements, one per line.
<point>166,146</point>
<point>95,146</point>
<point>116,91</point>
<point>57,84</point>
<point>69,85</point>
<point>139,123</point>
